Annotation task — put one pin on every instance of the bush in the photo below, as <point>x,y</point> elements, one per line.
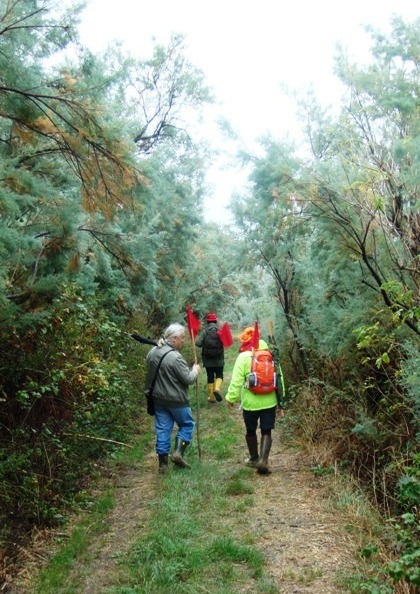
<point>71,384</point>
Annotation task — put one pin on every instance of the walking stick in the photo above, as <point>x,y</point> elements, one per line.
<point>196,397</point>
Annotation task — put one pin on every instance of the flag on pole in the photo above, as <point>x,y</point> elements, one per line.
<point>256,336</point>
<point>193,323</point>
<point>225,335</point>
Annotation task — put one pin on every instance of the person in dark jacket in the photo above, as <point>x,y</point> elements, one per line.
<point>171,396</point>
<point>213,357</point>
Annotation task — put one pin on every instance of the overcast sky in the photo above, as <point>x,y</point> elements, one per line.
<point>246,49</point>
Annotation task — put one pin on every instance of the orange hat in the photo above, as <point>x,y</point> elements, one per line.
<point>247,334</point>
<point>212,317</point>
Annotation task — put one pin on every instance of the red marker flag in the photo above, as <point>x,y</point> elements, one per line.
<point>225,335</point>
<point>256,337</point>
<point>193,323</point>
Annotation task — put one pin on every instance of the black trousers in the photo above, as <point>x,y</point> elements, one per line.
<point>213,373</point>
<point>266,418</point>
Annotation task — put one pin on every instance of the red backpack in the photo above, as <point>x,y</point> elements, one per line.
<point>263,377</point>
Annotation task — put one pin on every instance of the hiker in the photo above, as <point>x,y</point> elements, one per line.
<point>255,407</point>
<point>170,395</point>
<point>212,356</point>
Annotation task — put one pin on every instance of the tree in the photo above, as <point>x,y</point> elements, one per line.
<point>270,217</point>
<point>338,230</point>
<point>61,163</point>
<point>96,233</point>
<point>80,177</point>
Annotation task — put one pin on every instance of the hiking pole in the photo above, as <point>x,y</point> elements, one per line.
<point>198,420</point>
<point>196,397</point>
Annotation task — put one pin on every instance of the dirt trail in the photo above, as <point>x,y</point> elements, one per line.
<point>304,542</point>
<point>296,528</point>
<point>137,488</point>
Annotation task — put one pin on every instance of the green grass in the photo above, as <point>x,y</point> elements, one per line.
<point>194,539</point>
<point>193,543</point>
<point>53,577</point>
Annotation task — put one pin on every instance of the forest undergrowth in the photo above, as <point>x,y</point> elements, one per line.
<point>218,528</point>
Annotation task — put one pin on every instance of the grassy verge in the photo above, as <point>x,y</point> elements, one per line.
<point>76,549</point>
<point>60,575</point>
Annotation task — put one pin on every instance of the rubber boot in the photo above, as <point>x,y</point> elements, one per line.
<point>262,464</point>
<point>163,463</point>
<point>217,387</point>
<point>210,393</point>
<point>178,453</point>
<point>252,443</point>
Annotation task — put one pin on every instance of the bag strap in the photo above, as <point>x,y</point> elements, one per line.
<point>152,385</point>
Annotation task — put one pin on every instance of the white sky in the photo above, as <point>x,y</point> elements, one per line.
<point>246,49</point>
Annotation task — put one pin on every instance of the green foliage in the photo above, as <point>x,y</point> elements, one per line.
<point>410,378</point>
<point>366,430</point>
<point>337,230</point>
<point>83,196</point>
<point>370,586</point>
<point>409,485</point>
<point>86,240</point>
<point>407,567</point>
<point>319,470</point>
<point>70,394</point>
<point>406,528</point>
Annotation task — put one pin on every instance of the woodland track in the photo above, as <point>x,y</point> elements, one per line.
<point>293,521</point>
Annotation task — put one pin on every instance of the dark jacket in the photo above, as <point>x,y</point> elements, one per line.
<point>209,361</point>
<point>173,378</point>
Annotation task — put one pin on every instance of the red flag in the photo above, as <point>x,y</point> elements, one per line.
<point>225,335</point>
<point>192,322</point>
<point>256,336</point>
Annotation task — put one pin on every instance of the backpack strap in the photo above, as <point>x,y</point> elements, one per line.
<point>152,385</point>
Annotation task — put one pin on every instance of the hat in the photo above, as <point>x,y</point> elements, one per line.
<point>212,317</point>
<point>247,334</point>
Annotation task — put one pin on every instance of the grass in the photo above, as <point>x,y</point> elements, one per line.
<point>55,577</point>
<point>76,549</point>
<point>368,530</point>
<point>193,543</point>
<point>192,540</point>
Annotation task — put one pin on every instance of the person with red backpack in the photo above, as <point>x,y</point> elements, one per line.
<point>254,383</point>
<point>213,357</point>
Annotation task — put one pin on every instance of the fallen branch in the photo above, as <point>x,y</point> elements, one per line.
<point>98,439</point>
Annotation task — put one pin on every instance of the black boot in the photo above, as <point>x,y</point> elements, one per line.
<point>262,464</point>
<point>163,463</point>
<point>177,455</point>
<point>252,443</point>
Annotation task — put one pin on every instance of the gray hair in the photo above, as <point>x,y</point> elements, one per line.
<point>172,331</point>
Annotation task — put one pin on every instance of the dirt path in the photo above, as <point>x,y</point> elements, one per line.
<point>296,528</point>
<point>303,540</point>
<point>137,488</point>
